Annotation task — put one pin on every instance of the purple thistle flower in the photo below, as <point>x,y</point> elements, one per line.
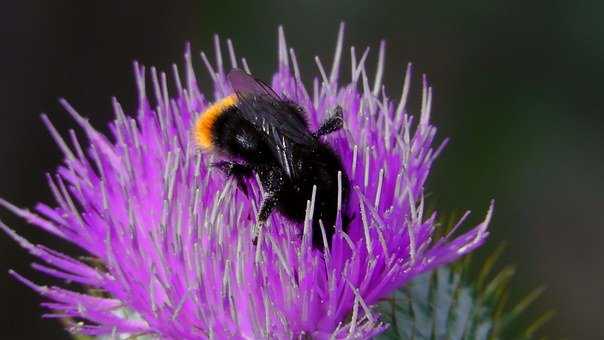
<point>175,239</point>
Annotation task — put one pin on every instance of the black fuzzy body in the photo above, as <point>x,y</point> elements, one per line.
<point>313,162</point>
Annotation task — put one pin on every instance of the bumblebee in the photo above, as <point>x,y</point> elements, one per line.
<point>260,132</point>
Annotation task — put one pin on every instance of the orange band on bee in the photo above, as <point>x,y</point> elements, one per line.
<point>205,122</point>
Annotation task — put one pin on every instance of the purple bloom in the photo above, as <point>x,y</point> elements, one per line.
<point>175,239</point>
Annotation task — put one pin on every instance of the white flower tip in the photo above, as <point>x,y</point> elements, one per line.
<point>487,220</point>
<point>341,28</point>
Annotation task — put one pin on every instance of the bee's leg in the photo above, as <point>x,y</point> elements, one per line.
<point>237,171</point>
<point>268,204</point>
<point>333,123</point>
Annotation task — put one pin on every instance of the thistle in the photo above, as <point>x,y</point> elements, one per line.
<point>171,240</point>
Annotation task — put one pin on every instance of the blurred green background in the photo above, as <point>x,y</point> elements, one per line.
<point>517,86</point>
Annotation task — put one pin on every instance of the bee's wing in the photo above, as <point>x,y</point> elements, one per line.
<point>245,83</point>
<point>268,112</point>
<point>262,106</point>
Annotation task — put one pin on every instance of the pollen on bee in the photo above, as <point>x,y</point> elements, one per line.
<point>205,122</point>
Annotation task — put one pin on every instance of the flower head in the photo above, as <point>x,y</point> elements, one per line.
<point>175,239</point>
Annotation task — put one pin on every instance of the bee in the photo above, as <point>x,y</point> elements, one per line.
<point>259,132</point>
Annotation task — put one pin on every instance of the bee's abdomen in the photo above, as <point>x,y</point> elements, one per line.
<point>318,167</point>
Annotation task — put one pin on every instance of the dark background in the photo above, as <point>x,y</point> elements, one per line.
<point>518,88</point>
